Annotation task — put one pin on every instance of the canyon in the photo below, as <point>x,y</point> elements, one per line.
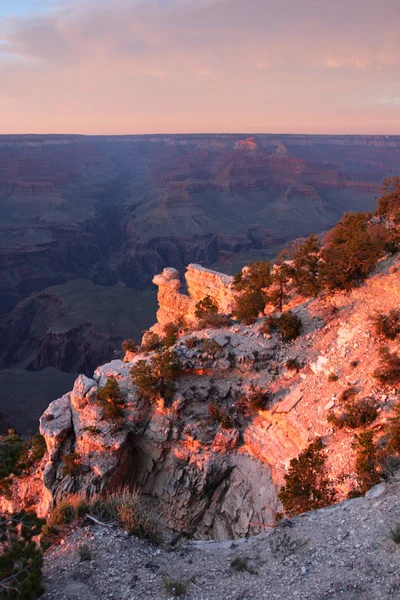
<point>86,221</point>
<point>205,479</point>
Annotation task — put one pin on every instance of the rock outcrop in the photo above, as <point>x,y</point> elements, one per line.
<point>201,282</point>
<point>216,473</point>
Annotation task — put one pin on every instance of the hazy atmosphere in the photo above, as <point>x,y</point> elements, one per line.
<point>147,66</point>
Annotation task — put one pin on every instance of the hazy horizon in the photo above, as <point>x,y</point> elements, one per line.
<point>137,67</point>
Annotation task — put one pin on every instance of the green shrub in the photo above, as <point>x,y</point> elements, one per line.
<point>206,307</point>
<point>287,324</point>
<point>174,587</point>
<point>38,448</point>
<point>387,325</point>
<point>72,464</point>
<point>156,377</point>
<point>129,346</point>
<point>394,533</point>
<point>85,552</point>
<point>307,485</point>
<point>332,377</point>
<point>110,400</point>
<point>293,364</point>
<point>355,414</point>
<point>256,277</point>
<point>366,466</point>
<point>393,429</point>
<point>388,372</point>
<point>348,394</point>
<point>389,202</point>
<point>351,252</point>
<point>220,416</point>
<point>170,331</point>
<point>209,346</point>
<point>21,559</point>
<point>257,398</point>
<point>306,266</point>
<point>152,342</point>
<point>191,342</point>
<point>249,305</point>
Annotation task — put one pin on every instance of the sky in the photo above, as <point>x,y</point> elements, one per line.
<point>198,66</point>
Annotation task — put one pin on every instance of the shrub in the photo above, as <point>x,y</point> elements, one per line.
<point>356,414</point>
<point>215,321</point>
<point>306,264</point>
<point>85,552</point>
<point>20,558</point>
<point>293,364</point>
<point>152,342</point>
<point>389,202</point>
<point>249,305</point>
<point>387,325</point>
<point>11,447</point>
<point>72,464</point>
<point>366,466</point>
<point>110,400</point>
<point>388,372</point>
<point>393,429</point>
<point>206,307</point>
<point>394,533</point>
<point>348,394</point>
<point>255,277</point>
<point>157,376</point>
<point>351,251</point>
<point>287,324</point>
<point>170,331</point>
<point>307,486</point>
<point>332,377</point>
<point>128,510</point>
<point>129,346</point>
<point>38,448</point>
<point>220,416</point>
<point>210,347</point>
<point>257,399</point>
<point>191,342</point>
<point>175,587</point>
<point>354,363</point>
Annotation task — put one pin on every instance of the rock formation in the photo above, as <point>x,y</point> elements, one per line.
<point>211,477</point>
<point>201,282</point>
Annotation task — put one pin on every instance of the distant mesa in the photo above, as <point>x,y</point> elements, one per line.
<point>248,144</point>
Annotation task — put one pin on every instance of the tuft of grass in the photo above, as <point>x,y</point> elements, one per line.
<point>85,552</point>
<point>394,533</point>
<point>123,506</point>
<point>240,565</point>
<point>174,587</point>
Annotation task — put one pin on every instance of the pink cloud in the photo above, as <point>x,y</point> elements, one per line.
<point>186,65</point>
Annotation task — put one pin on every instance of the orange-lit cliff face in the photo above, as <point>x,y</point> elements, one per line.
<point>198,465</point>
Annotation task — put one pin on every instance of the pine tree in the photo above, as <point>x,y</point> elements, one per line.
<point>157,376</point>
<point>307,486</point>
<point>20,558</point>
<point>306,264</point>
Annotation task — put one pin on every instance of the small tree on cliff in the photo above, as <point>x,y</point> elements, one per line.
<point>389,202</point>
<point>255,277</point>
<point>351,251</point>
<point>252,282</point>
<point>157,376</point>
<point>306,264</point>
<point>307,485</point>
<point>20,558</point>
<point>110,400</point>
